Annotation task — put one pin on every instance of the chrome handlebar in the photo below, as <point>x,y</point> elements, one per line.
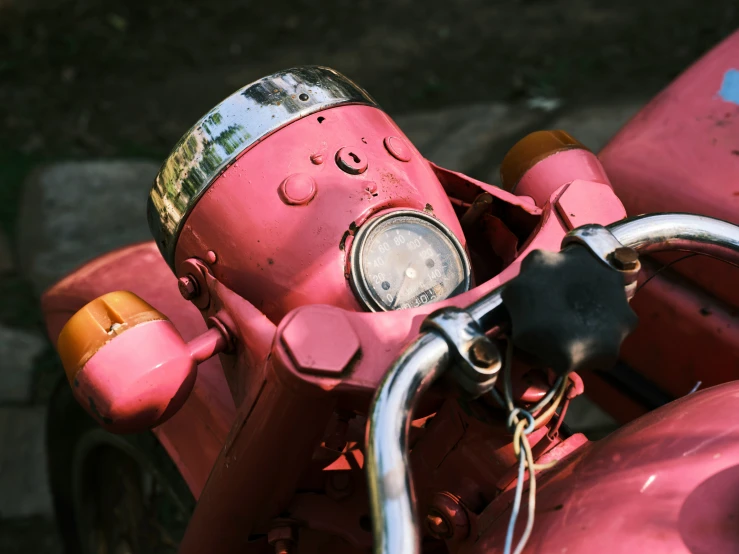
<point>392,501</point>
<point>674,231</point>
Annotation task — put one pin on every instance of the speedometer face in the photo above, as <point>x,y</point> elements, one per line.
<point>406,259</point>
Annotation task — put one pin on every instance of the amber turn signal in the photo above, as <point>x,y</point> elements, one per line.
<point>99,322</point>
<point>530,150</point>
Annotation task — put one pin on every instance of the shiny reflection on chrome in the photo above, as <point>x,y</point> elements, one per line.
<point>240,121</point>
<point>675,231</point>
<point>392,501</point>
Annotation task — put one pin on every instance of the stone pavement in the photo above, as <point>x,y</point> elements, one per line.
<point>73,211</point>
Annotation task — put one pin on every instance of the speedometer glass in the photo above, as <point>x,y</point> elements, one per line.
<point>405,259</point>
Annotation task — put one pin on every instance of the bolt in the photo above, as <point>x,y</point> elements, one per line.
<point>447,518</point>
<point>437,526</point>
<point>351,160</point>
<point>282,538</point>
<point>625,259</point>
<point>188,287</point>
<point>316,159</point>
<point>483,353</point>
<point>320,340</point>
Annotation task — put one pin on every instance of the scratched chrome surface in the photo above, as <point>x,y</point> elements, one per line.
<point>226,131</point>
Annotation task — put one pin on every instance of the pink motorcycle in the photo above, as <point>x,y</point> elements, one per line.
<point>365,352</point>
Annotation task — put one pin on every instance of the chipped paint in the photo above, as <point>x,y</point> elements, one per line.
<point>729,91</point>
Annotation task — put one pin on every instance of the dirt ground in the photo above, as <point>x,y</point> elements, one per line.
<point>87,77</point>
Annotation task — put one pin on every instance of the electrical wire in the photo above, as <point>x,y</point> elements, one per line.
<point>661,269</point>
<point>522,423</point>
<point>532,498</point>
<point>516,506</point>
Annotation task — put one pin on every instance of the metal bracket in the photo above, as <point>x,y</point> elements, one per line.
<point>477,360</point>
<point>607,248</point>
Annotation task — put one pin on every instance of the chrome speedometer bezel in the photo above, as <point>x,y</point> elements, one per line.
<point>357,278</point>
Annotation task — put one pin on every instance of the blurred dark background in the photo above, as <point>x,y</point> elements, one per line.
<point>93,78</point>
<point>89,79</point>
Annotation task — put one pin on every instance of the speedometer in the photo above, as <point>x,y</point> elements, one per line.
<point>405,259</point>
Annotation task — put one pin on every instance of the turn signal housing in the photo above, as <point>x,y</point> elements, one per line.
<point>543,161</point>
<point>126,362</point>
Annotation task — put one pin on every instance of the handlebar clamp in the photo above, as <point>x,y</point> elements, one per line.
<point>476,360</point>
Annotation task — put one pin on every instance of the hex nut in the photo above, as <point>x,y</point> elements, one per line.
<point>320,340</point>
<point>625,259</point>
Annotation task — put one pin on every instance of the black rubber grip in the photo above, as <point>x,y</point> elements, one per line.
<point>569,310</point>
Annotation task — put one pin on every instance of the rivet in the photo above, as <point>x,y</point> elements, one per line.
<point>298,189</point>
<point>317,159</point>
<point>397,148</point>
<point>211,257</point>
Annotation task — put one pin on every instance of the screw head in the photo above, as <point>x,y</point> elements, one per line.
<point>625,259</point>
<point>483,353</point>
<point>188,287</point>
<point>351,160</point>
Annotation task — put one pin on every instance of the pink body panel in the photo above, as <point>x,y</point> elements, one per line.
<point>681,153</point>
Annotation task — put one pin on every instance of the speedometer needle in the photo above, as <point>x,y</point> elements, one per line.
<point>402,282</point>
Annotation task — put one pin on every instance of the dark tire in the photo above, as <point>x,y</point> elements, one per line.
<point>113,494</point>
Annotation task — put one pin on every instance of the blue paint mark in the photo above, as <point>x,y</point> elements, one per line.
<point>729,91</point>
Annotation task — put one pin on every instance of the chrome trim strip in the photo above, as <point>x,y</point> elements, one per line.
<point>240,121</point>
